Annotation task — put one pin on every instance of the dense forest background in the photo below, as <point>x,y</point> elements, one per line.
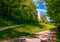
<point>17,12</point>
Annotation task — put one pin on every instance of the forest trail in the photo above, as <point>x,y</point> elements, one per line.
<point>4,28</point>
<point>45,36</point>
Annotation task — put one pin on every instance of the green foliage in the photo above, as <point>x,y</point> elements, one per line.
<point>53,11</point>
<point>58,37</point>
<point>19,11</point>
<point>44,19</point>
<point>4,22</point>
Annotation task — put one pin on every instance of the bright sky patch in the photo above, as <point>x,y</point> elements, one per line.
<point>40,7</point>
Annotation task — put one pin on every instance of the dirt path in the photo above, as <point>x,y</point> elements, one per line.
<point>4,28</point>
<point>45,36</point>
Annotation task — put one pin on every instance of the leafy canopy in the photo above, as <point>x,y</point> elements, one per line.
<point>20,11</point>
<point>53,11</point>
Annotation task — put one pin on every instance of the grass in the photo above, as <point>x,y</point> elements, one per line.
<point>24,30</point>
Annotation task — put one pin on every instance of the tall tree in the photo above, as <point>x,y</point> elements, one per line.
<point>21,11</point>
<point>53,10</point>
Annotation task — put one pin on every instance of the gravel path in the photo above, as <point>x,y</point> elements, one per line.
<point>45,36</point>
